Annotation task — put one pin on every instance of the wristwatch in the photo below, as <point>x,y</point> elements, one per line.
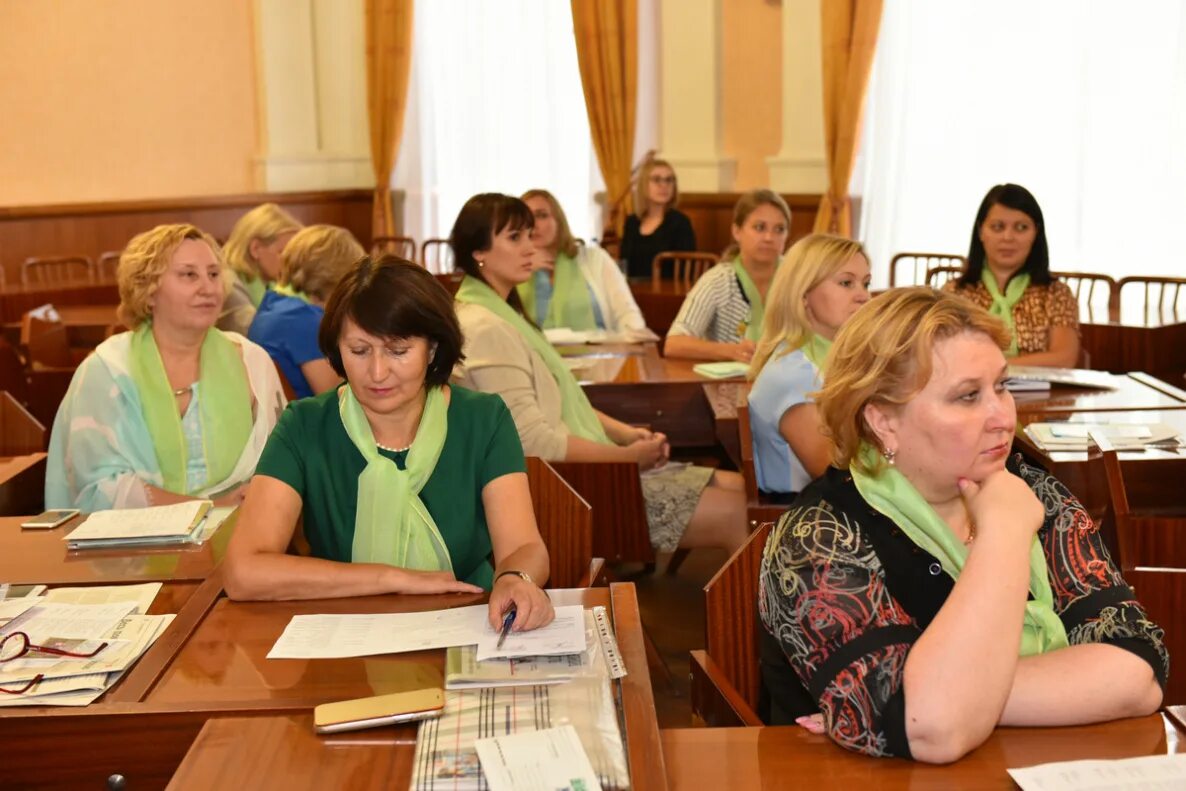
<point>523,574</point>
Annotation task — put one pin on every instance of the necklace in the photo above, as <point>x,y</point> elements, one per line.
<point>392,450</point>
<point>971,533</point>
<point>183,390</point>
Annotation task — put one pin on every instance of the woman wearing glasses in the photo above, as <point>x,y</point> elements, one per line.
<point>656,226</point>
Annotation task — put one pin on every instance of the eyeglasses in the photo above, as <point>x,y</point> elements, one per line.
<point>662,179</point>
<point>14,645</point>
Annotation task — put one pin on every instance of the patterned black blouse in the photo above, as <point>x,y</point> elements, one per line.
<point>844,594</point>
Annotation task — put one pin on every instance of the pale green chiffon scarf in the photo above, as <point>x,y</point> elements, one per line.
<point>757,308</point>
<point>891,494</point>
<point>570,306</point>
<point>1003,304</point>
<point>816,350</point>
<point>575,410</point>
<point>392,524</point>
<point>225,405</point>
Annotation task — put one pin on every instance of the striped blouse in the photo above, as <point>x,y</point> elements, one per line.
<point>715,309</point>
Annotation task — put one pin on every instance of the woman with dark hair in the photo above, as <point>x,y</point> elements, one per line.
<point>1008,275</point>
<point>402,483</point>
<point>656,225</point>
<point>505,353</point>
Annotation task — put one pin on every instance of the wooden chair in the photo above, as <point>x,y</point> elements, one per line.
<point>451,281</point>
<point>726,675</point>
<point>1098,298</point>
<point>402,246</point>
<point>45,343</point>
<point>57,269</point>
<point>1162,295</point>
<point>686,268</point>
<point>1162,592</point>
<point>107,264</point>
<point>758,508</point>
<point>920,266</point>
<point>566,525</point>
<point>436,256</point>
<point>613,489</point>
<point>1146,509</point>
<point>937,276</point>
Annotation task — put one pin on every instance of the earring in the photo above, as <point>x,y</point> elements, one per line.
<point>481,264</point>
<point>889,456</point>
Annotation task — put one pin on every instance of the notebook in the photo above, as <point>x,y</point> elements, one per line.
<point>161,525</point>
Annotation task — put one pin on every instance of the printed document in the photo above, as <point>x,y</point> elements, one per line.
<point>551,759</point>
<point>1148,773</point>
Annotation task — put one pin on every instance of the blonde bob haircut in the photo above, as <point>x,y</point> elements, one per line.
<point>317,258</point>
<point>883,355</point>
<point>145,260</point>
<point>564,242</point>
<point>265,222</point>
<point>809,262</point>
<point>641,201</point>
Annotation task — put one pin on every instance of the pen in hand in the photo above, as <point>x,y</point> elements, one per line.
<point>507,620</point>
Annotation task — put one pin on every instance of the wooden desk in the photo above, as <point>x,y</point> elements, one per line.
<point>1134,390</point>
<point>16,298</point>
<point>790,757</point>
<point>22,485</point>
<point>1156,345</point>
<point>86,325</point>
<point>212,662</point>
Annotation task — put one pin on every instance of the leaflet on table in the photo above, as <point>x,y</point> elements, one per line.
<point>126,642</point>
<point>341,636</point>
<point>1146,772</point>
<point>141,595</point>
<point>550,759</point>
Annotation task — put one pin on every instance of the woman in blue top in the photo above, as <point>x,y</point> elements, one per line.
<point>823,280</point>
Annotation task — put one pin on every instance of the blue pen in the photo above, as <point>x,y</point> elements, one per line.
<point>507,620</point>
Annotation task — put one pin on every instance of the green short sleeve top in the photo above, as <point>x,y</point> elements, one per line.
<point>310,451</point>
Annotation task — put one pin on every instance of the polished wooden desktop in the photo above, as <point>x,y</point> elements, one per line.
<point>16,298</point>
<point>790,757</point>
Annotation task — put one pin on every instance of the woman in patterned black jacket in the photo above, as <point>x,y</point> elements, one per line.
<point>928,587</point>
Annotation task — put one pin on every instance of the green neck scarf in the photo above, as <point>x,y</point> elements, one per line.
<point>575,410</point>
<point>816,350</point>
<point>255,288</point>
<point>752,329</point>
<point>225,404</point>
<point>1003,304</point>
<point>289,291</point>
<point>392,525</point>
<point>895,497</point>
<point>570,306</point>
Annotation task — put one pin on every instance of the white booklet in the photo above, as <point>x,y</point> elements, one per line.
<point>162,524</point>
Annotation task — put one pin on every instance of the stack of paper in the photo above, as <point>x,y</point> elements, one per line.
<point>464,671</point>
<point>725,370</point>
<point>162,525</point>
<point>1067,436</point>
<point>1035,377</point>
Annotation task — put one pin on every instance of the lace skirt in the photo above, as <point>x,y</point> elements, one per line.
<point>672,496</point>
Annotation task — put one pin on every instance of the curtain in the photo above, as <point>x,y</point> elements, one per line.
<point>848,40</point>
<point>606,34</point>
<point>389,59</point>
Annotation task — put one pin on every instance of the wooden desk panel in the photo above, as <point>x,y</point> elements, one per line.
<point>790,757</point>
<point>15,298</point>
<point>1134,391</point>
<point>22,486</point>
<point>1159,348</point>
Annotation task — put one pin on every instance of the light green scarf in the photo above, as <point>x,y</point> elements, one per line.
<point>752,329</point>
<point>895,497</point>
<point>575,410</point>
<point>816,350</point>
<point>1003,304</point>
<point>225,405</point>
<point>570,305</point>
<point>288,291</point>
<point>256,288</point>
<point>392,525</point>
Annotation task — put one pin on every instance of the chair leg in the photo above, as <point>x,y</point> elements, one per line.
<point>677,559</point>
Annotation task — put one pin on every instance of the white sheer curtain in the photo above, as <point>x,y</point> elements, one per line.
<point>495,106</point>
<point>1081,101</point>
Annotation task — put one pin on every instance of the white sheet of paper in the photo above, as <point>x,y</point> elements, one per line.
<point>551,759</point>
<point>564,635</point>
<point>11,608</point>
<point>71,621</point>
<point>1147,773</point>
<point>162,520</point>
<point>140,595</point>
<point>1079,430</point>
<point>339,636</point>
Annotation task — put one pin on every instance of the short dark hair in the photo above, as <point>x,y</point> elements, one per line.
<point>390,297</point>
<point>1017,197</point>
<point>482,218</point>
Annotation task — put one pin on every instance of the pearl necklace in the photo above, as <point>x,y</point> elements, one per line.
<point>392,450</point>
<point>183,390</point>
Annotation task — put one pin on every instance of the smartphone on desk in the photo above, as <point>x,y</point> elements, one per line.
<point>355,715</point>
<point>47,520</point>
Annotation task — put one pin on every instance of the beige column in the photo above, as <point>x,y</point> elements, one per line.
<point>690,75</point>
<point>311,82</point>
<point>800,165</point>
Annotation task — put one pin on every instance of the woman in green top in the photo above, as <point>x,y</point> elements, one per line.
<point>402,484</point>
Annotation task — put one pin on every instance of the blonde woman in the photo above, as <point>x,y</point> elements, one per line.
<point>313,263</point>
<point>574,285</point>
<point>253,254</point>
<point>656,226</point>
<point>174,409</point>
<point>721,319</point>
<point>823,281</point>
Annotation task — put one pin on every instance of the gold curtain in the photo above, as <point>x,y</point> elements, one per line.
<point>389,59</point>
<point>848,40</point>
<point>606,34</point>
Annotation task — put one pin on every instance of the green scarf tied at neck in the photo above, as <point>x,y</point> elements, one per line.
<point>224,400</point>
<point>288,291</point>
<point>757,309</point>
<point>392,525</point>
<point>570,306</point>
<point>1003,304</point>
<point>816,350</point>
<point>891,494</point>
<point>575,410</point>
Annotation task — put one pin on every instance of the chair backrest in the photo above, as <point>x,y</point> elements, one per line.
<point>565,523</point>
<point>45,342</point>
<point>937,276</point>
<point>1162,592</point>
<point>731,617</point>
<point>1164,297</point>
<point>911,269</point>
<point>1097,295</point>
<point>20,432</point>
<point>403,246</point>
<point>686,268</point>
<point>614,490</point>
<point>107,264</point>
<point>436,256</point>
<point>1146,510</point>
<point>451,281</point>
<point>57,269</point>
<point>757,508</point>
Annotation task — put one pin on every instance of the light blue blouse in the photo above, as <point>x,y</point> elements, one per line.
<point>543,298</point>
<point>191,426</point>
<point>785,381</point>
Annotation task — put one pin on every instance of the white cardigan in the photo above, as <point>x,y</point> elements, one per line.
<point>610,289</point>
